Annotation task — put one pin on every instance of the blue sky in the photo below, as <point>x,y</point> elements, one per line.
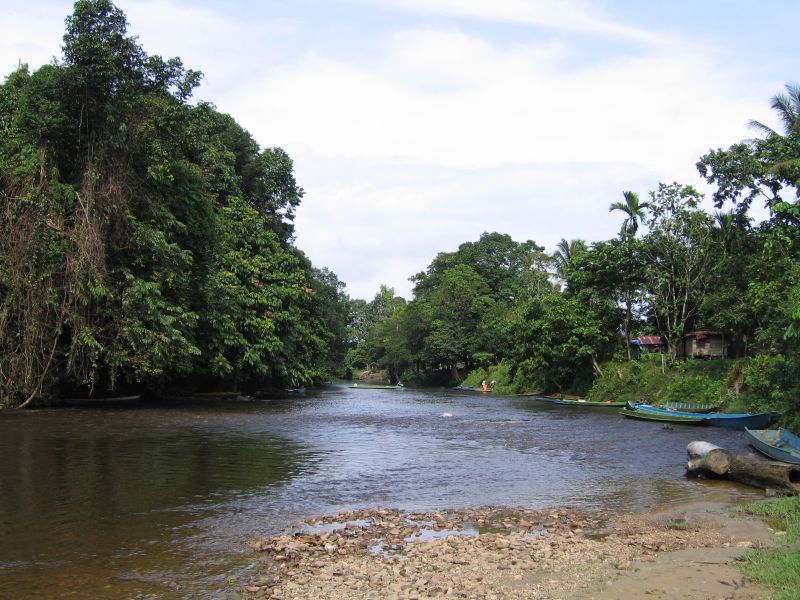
<point>416,125</point>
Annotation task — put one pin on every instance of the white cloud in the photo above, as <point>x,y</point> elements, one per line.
<point>556,14</point>
<point>30,34</point>
<point>492,107</point>
<point>443,135</point>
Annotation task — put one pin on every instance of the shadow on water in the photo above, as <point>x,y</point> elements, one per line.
<point>107,491</point>
<point>162,499</point>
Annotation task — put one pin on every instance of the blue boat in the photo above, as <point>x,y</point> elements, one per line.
<point>726,420</point>
<point>778,444</point>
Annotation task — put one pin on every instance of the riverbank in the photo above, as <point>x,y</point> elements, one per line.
<point>685,552</point>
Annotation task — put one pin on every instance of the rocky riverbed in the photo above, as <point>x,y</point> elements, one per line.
<point>503,553</point>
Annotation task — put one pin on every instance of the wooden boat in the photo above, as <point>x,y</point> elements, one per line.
<point>468,388</point>
<point>108,401</point>
<point>726,420</point>
<point>560,397</point>
<point>552,399</point>
<point>664,417</point>
<point>584,402</point>
<point>779,444</point>
<point>369,386</point>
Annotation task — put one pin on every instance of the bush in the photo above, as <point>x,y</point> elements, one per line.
<point>696,389</point>
<point>500,373</point>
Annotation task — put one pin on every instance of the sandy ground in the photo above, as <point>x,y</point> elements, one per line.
<point>686,552</point>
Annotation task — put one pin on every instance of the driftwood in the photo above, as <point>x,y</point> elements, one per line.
<point>708,460</point>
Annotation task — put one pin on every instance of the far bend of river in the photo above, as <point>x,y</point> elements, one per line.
<point>162,499</point>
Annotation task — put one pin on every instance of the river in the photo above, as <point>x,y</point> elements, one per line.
<point>160,500</point>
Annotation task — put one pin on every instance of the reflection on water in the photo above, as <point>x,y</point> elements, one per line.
<point>126,502</point>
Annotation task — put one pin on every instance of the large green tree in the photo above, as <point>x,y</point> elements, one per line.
<point>144,241</point>
<point>680,255</point>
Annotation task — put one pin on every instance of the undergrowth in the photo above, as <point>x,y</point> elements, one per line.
<point>777,567</point>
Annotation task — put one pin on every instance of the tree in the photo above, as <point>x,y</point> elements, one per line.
<point>633,209</point>
<point>725,305</point>
<point>761,167</point>
<point>768,168</point>
<point>788,108</point>
<point>144,241</point>
<point>680,258</point>
<point>613,270</point>
<point>565,255</point>
<point>560,337</point>
<point>497,258</point>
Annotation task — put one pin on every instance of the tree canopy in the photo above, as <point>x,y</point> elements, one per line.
<point>146,241</point>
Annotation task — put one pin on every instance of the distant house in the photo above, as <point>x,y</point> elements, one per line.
<point>702,344</point>
<point>645,344</point>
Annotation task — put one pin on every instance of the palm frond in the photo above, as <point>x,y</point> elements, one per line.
<point>760,127</point>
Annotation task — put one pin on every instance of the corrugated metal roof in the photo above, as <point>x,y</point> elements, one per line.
<point>650,340</point>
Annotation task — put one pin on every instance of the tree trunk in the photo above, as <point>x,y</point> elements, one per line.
<point>708,460</point>
<point>596,366</point>
<point>628,316</point>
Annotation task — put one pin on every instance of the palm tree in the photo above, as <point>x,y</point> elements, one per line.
<point>784,165</point>
<point>788,108</point>
<point>565,253</point>
<point>634,211</point>
<point>723,227</point>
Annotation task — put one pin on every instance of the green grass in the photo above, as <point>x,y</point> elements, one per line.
<point>777,567</point>
<point>677,524</point>
<point>782,513</point>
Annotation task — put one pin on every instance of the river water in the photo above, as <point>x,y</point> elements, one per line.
<point>160,500</point>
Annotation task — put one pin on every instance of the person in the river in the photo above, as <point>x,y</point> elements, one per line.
<point>484,387</point>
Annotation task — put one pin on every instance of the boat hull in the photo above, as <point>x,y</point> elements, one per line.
<point>644,415</point>
<point>605,404</point>
<point>778,444</point>
<point>364,386</point>
<point>725,420</point>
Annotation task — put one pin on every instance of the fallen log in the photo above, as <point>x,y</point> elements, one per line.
<point>708,460</point>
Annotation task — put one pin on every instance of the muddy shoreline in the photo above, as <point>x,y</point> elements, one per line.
<point>490,553</point>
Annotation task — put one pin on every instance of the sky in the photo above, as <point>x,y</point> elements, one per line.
<point>418,125</point>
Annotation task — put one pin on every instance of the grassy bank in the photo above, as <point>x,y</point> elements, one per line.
<point>701,381</point>
<point>777,567</point>
<point>734,385</point>
<point>761,383</point>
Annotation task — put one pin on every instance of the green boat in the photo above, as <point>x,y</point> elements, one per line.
<point>663,417</point>
<point>367,386</point>
<point>582,402</point>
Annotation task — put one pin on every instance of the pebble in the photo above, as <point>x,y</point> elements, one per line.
<point>379,554</point>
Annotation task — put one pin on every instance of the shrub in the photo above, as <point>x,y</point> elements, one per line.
<point>696,389</point>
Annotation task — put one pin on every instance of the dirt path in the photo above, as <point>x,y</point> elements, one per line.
<point>494,553</point>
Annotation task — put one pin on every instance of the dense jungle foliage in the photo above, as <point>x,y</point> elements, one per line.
<point>145,241</point>
<point>504,310</point>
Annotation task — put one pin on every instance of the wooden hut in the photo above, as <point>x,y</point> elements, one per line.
<point>647,344</point>
<point>702,344</point>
